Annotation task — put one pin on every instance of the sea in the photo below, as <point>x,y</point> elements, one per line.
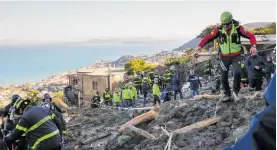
<point>20,64</point>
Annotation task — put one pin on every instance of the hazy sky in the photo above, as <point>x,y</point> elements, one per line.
<point>73,21</point>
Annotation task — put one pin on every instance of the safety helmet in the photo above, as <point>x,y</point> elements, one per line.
<point>15,97</point>
<point>20,106</point>
<point>46,96</point>
<point>226,17</point>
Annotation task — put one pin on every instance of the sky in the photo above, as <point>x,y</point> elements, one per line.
<point>52,21</point>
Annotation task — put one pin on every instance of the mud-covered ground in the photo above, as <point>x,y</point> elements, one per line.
<point>98,123</point>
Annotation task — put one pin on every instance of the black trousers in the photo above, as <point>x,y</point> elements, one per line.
<point>257,84</point>
<point>176,92</point>
<point>156,99</point>
<point>227,61</point>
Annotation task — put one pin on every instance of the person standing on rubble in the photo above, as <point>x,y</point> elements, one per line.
<point>116,98</point>
<point>95,101</point>
<point>107,96</point>
<point>244,79</point>
<point>134,94</point>
<point>228,35</point>
<point>269,69</point>
<point>195,84</point>
<point>156,92</point>
<point>137,84</point>
<point>145,89</point>
<point>126,96</point>
<point>176,86</point>
<point>255,66</point>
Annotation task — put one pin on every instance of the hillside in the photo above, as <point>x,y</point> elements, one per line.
<point>255,25</point>
<point>190,44</point>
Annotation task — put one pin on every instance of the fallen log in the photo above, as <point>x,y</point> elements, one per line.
<point>141,118</point>
<point>206,96</point>
<point>198,125</point>
<point>142,133</point>
<point>97,137</point>
<point>76,147</point>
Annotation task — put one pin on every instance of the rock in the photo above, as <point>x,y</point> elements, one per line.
<point>240,131</point>
<point>123,139</point>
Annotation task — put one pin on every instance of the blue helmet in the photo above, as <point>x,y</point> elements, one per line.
<point>46,96</point>
<point>15,97</point>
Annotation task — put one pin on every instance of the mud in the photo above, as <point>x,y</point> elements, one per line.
<point>95,123</point>
<point>236,117</point>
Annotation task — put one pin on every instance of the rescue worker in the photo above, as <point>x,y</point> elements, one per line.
<point>255,65</point>
<point>95,101</point>
<point>134,94</point>
<point>269,69</point>
<point>167,77</point>
<point>156,92</point>
<point>126,96</point>
<point>48,98</point>
<point>47,103</point>
<point>41,126</point>
<point>137,84</point>
<point>58,114</point>
<point>244,80</point>
<point>176,86</point>
<point>8,125</point>
<point>116,99</point>
<point>145,89</point>
<point>107,96</point>
<point>228,35</point>
<point>151,76</point>
<point>195,83</point>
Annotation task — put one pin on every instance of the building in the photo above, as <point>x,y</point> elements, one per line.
<point>90,80</point>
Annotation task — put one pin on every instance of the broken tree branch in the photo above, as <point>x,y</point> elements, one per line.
<point>141,118</point>
<point>142,133</point>
<point>198,125</point>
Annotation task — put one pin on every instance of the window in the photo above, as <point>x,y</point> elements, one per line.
<point>94,85</point>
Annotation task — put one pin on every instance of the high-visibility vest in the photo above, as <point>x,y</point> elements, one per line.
<point>229,44</point>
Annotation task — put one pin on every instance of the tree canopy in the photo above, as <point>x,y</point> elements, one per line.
<point>137,65</point>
